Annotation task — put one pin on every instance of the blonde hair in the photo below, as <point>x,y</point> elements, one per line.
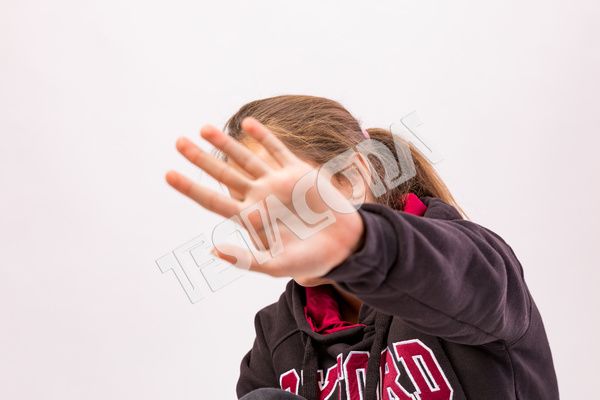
<point>317,129</point>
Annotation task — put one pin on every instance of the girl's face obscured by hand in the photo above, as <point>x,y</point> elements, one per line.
<point>342,185</point>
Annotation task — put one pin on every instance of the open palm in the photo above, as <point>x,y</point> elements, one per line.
<point>273,185</point>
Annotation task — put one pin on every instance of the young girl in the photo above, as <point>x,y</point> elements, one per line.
<point>402,298</point>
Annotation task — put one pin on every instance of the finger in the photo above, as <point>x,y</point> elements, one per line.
<point>215,168</point>
<point>207,198</point>
<point>270,142</point>
<point>239,153</point>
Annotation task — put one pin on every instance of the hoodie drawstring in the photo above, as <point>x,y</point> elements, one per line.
<point>382,325</point>
<point>309,389</point>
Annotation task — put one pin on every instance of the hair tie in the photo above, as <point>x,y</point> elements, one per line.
<point>364,131</point>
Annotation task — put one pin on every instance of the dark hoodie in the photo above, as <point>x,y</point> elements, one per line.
<point>446,314</point>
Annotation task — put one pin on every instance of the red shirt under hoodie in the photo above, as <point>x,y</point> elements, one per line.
<point>446,314</point>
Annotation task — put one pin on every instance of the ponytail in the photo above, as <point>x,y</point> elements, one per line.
<point>426,182</point>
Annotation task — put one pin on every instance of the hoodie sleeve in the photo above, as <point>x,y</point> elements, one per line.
<point>449,278</point>
<point>256,370</point>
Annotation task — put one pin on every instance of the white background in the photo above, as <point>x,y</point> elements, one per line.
<point>93,96</point>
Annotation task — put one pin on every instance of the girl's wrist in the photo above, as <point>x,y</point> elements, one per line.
<point>352,241</point>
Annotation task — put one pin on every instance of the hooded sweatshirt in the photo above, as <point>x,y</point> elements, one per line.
<point>446,314</point>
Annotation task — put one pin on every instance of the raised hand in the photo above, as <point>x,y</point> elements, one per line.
<point>268,170</point>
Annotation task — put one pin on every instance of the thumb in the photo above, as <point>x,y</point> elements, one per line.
<point>237,256</point>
